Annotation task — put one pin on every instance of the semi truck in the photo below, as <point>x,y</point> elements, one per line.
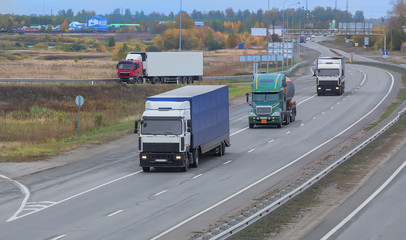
<point>272,100</point>
<point>330,77</point>
<point>180,125</point>
<point>161,67</point>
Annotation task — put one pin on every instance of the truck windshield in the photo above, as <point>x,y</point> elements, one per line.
<point>328,72</point>
<point>161,127</point>
<point>265,97</point>
<point>125,66</point>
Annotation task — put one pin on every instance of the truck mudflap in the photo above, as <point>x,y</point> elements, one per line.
<point>163,160</point>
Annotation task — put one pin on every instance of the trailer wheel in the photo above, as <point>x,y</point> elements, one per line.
<point>292,118</point>
<point>219,150</point>
<point>189,80</point>
<point>155,80</point>
<point>184,80</point>
<point>145,169</point>
<point>287,120</point>
<point>223,147</point>
<point>195,157</point>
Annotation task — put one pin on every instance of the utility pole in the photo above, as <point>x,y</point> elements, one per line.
<point>180,27</point>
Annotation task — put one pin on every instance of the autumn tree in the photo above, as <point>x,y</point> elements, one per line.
<point>65,26</point>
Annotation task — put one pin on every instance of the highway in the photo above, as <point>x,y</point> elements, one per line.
<point>106,195</point>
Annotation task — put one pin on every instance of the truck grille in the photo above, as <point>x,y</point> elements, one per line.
<point>124,74</point>
<point>266,110</point>
<point>161,147</point>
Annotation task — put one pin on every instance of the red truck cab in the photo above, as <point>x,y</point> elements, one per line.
<point>130,71</point>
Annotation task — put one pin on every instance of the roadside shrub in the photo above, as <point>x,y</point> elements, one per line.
<point>98,120</point>
<point>77,47</point>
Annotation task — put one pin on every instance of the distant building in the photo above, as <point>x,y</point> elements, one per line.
<point>98,23</point>
<point>199,24</point>
<point>73,26</point>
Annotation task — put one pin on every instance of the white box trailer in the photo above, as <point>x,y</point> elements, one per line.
<point>180,67</point>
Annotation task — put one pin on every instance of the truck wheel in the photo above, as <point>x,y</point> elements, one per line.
<point>287,120</point>
<point>279,125</point>
<point>139,80</point>
<point>186,167</point>
<point>145,169</point>
<point>292,118</point>
<point>189,80</point>
<point>184,80</point>
<point>251,125</point>
<point>195,157</point>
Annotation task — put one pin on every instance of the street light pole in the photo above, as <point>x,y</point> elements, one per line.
<point>267,44</point>
<point>180,27</point>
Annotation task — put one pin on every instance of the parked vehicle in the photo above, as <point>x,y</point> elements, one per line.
<point>329,73</point>
<point>272,100</point>
<point>161,67</point>
<point>179,125</point>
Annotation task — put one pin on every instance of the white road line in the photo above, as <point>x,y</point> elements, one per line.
<point>199,175</point>
<point>360,207</point>
<point>162,192</point>
<point>275,172</point>
<point>314,118</point>
<point>250,151</point>
<point>15,216</point>
<point>302,124</point>
<point>59,237</point>
<point>24,190</point>
<point>271,140</point>
<point>323,113</point>
<point>229,161</point>
<point>288,132</point>
<point>307,99</point>
<point>338,103</point>
<point>114,213</point>
<point>332,108</point>
<point>232,134</point>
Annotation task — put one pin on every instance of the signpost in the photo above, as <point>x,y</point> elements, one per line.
<point>79,101</point>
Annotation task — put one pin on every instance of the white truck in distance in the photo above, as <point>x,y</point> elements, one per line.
<point>329,73</point>
<point>161,67</point>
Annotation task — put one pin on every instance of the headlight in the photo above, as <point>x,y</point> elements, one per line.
<point>144,157</point>
<point>319,88</point>
<point>276,114</point>
<point>178,157</point>
<point>251,114</point>
<point>337,88</point>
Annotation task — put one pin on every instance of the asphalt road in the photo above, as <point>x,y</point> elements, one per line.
<point>106,195</point>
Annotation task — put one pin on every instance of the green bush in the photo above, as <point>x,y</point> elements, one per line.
<point>98,120</point>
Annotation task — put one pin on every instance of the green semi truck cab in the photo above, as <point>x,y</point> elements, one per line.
<point>271,101</point>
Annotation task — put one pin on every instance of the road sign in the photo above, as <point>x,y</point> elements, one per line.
<point>385,53</point>
<point>366,41</point>
<point>79,100</point>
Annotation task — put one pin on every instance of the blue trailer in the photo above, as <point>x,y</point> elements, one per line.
<point>179,125</point>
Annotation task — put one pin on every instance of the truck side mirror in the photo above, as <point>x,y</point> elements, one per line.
<point>189,129</point>
<point>136,127</point>
<point>247,95</point>
<point>189,125</point>
<point>117,66</point>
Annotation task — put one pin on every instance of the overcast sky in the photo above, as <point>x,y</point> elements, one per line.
<point>371,8</point>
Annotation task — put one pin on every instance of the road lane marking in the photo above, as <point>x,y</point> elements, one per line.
<point>288,132</point>
<point>307,99</point>
<point>24,190</point>
<point>162,192</point>
<point>271,140</point>
<point>59,237</point>
<point>199,175</point>
<point>232,134</point>
<point>114,213</point>
<point>332,108</point>
<point>250,151</point>
<point>302,124</point>
<point>314,118</point>
<point>276,171</point>
<point>323,113</point>
<point>369,199</point>
<point>229,161</point>
<point>15,216</point>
